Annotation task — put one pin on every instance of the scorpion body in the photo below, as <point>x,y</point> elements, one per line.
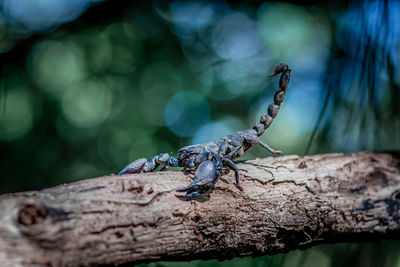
<point>208,159</point>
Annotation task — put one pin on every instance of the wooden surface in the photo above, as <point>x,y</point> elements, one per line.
<point>288,202</point>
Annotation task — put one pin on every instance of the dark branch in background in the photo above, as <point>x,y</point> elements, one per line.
<point>321,116</point>
<point>288,203</point>
<point>363,60</point>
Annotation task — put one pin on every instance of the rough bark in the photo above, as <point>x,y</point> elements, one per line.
<point>288,202</point>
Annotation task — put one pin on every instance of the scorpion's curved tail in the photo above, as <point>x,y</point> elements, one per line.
<point>273,109</point>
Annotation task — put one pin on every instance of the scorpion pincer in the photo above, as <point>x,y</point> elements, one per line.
<point>208,159</point>
<point>204,179</point>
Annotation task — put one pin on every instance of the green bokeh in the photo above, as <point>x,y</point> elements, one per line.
<point>18,114</point>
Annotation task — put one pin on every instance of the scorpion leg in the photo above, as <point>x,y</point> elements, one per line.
<point>273,151</point>
<point>233,166</point>
<point>256,141</point>
<point>235,151</point>
<point>150,164</point>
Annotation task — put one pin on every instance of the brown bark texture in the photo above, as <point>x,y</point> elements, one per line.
<point>288,202</point>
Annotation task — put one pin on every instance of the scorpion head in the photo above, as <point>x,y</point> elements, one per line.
<point>207,174</point>
<point>186,157</point>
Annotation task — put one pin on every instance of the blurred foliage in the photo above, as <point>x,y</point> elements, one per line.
<point>89,86</point>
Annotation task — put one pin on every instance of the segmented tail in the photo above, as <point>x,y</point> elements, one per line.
<point>273,109</point>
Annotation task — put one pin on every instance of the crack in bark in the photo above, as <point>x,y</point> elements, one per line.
<point>111,227</point>
<point>92,189</point>
<point>258,180</point>
<point>295,183</point>
<point>267,167</point>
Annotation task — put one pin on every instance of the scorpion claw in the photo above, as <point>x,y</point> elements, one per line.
<point>189,196</point>
<point>187,188</point>
<point>204,179</point>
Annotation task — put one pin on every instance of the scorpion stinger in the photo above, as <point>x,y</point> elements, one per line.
<point>209,158</point>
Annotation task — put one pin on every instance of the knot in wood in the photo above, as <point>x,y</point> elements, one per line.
<point>302,165</point>
<point>31,214</point>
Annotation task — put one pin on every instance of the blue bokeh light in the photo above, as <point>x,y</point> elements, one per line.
<point>186,112</point>
<point>41,15</point>
<point>217,129</point>
<point>235,37</point>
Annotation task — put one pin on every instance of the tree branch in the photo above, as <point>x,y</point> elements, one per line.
<point>288,202</point>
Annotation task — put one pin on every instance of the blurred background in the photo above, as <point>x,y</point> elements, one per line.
<point>88,86</point>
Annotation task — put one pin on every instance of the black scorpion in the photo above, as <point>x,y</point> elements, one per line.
<point>208,159</point>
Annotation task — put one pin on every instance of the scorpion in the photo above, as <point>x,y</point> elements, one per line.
<point>208,160</point>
